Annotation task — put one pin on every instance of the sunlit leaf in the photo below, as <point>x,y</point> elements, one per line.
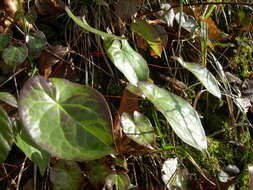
<point>147,31</point>
<point>179,113</point>
<point>15,54</point>
<point>138,128</point>
<point>168,14</point>
<point>83,23</point>
<point>169,170</point>
<point>40,157</point>
<point>66,175</point>
<point>36,43</point>
<point>188,22</point>
<point>128,61</point>
<point>69,120</point>
<point>8,99</point>
<point>4,40</point>
<point>223,176</point>
<point>117,181</point>
<point>203,75</point>
<point>6,135</point>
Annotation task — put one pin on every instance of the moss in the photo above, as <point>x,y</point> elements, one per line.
<point>244,57</point>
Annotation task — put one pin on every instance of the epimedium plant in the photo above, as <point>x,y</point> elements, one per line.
<point>73,122</point>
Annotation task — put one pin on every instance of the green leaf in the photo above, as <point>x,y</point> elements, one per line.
<point>6,135</point>
<point>4,40</point>
<point>117,181</point>
<point>147,31</point>
<point>66,175</point>
<point>83,23</point>
<point>8,99</point>
<point>203,75</point>
<point>179,113</point>
<point>15,54</point>
<point>128,61</point>
<point>36,43</point>
<point>69,120</point>
<point>98,172</point>
<point>40,157</point>
<point>138,128</point>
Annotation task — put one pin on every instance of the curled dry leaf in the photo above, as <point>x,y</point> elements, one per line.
<point>50,57</point>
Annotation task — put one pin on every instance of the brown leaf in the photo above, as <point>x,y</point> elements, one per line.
<point>127,8</point>
<point>49,57</point>
<point>50,7</point>
<point>213,32</point>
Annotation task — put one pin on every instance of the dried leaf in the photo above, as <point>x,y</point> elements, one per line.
<point>127,8</point>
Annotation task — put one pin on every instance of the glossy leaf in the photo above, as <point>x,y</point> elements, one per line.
<point>8,99</point>
<point>138,128</point>
<point>188,22</point>
<point>169,170</point>
<point>40,157</point>
<point>83,23</point>
<point>147,31</point>
<point>167,14</point>
<point>179,113</point>
<point>15,54</point>
<point>203,75</point>
<point>36,43</point>
<point>6,135</point>
<point>66,175</point>
<point>69,120</point>
<point>128,61</point>
<point>117,181</point>
<point>4,40</point>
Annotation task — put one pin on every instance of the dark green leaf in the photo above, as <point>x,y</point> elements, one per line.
<point>138,128</point>
<point>68,120</point>
<point>36,43</point>
<point>6,135</point>
<point>179,113</point>
<point>40,157</point>
<point>15,54</point>
<point>117,181</point>
<point>4,40</point>
<point>66,175</point>
<point>128,61</point>
<point>147,31</point>
<point>8,99</point>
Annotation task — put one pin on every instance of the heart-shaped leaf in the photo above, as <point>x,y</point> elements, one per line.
<point>179,113</point>
<point>128,61</point>
<point>147,31</point>
<point>36,43</point>
<point>83,23</point>
<point>40,157</point>
<point>68,120</point>
<point>4,40</point>
<point>66,175</point>
<point>203,75</point>
<point>15,54</point>
<point>117,181</point>
<point>138,128</point>
<point>6,135</point>
<point>8,99</point>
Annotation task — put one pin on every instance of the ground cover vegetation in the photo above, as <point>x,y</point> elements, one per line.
<point>126,94</point>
